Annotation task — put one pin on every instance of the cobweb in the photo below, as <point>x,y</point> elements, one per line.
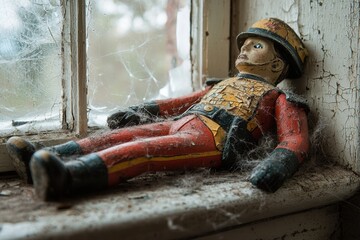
<point>30,64</point>
<point>132,57</point>
<point>137,52</point>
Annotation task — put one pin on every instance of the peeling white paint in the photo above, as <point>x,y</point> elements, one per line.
<point>167,210</point>
<point>330,30</point>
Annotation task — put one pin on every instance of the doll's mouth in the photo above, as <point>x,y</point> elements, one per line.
<point>243,57</point>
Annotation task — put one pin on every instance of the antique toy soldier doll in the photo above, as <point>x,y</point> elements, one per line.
<point>207,128</point>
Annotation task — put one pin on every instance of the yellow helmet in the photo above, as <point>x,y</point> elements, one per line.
<point>293,49</point>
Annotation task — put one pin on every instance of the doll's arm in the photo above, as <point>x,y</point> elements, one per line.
<point>293,147</point>
<point>149,111</point>
<point>176,106</point>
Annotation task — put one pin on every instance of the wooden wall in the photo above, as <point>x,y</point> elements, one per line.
<point>330,30</point>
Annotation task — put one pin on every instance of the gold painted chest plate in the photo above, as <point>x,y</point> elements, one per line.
<point>239,96</point>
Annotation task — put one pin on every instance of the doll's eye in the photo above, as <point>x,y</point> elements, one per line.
<point>258,45</point>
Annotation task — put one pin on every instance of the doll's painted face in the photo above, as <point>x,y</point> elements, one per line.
<point>256,51</point>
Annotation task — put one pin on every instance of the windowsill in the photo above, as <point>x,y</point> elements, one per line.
<point>51,139</point>
<point>172,205</point>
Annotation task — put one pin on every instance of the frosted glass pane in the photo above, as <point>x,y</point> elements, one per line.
<point>30,65</point>
<point>138,51</point>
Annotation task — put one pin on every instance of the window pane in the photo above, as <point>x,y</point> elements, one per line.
<point>138,51</point>
<point>30,65</point>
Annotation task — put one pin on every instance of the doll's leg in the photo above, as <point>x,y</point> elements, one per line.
<point>191,147</point>
<point>111,138</point>
<point>174,152</point>
<point>119,136</point>
<point>21,150</point>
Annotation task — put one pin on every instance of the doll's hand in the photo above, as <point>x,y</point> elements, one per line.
<point>145,113</point>
<point>129,117</point>
<point>268,175</point>
<point>271,173</point>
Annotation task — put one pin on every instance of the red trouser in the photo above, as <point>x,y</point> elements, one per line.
<point>172,145</point>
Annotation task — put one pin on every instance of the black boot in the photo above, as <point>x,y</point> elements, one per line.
<point>49,175</point>
<point>20,151</point>
<point>54,179</point>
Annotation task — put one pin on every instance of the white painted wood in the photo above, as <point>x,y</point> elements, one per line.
<point>210,32</point>
<point>172,208</point>
<point>210,40</point>
<point>81,106</point>
<point>330,30</point>
<point>216,22</point>
<point>196,43</point>
<point>74,67</point>
<point>317,224</point>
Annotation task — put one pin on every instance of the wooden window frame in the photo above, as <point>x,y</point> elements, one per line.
<point>206,34</point>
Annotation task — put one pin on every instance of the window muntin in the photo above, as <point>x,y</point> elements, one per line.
<point>133,56</point>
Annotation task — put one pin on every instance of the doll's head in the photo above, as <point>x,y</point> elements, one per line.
<point>272,50</point>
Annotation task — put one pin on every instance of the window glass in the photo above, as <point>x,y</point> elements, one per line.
<point>30,65</point>
<point>138,51</point>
